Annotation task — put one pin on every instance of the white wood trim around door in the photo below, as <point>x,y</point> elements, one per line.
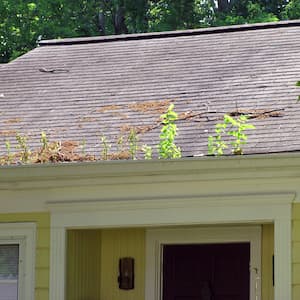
<point>156,238</point>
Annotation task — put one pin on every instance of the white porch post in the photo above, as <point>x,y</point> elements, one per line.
<point>282,259</point>
<point>57,263</point>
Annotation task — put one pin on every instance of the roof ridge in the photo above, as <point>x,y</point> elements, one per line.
<point>167,34</point>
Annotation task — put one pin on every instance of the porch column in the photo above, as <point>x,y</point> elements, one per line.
<point>57,263</point>
<point>282,259</point>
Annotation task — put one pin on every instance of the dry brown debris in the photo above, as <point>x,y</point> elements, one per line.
<point>120,115</point>
<point>151,107</point>
<point>258,113</point>
<point>187,115</point>
<point>12,121</point>
<point>126,128</point>
<point>60,152</point>
<point>138,129</point>
<point>87,119</point>
<point>8,132</point>
<point>119,155</point>
<point>109,108</point>
<point>54,152</point>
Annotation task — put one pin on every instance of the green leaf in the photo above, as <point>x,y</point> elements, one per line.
<point>229,119</point>
<point>298,83</point>
<point>249,126</point>
<point>31,6</point>
<point>243,118</point>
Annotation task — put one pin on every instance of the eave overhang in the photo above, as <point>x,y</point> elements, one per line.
<point>285,165</point>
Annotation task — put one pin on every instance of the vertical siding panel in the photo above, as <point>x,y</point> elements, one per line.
<point>117,243</point>
<point>295,251</point>
<point>267,265</point>
<point>93,263</point>
<point>83,264</point>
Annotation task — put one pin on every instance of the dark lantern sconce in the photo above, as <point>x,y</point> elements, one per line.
<point>126,273</point>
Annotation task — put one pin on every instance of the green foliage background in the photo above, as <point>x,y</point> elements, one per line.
<point>23,22</point>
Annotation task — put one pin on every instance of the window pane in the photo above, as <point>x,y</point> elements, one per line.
<point>9,271</point>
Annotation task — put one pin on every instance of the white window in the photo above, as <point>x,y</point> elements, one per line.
<point>17,252</point>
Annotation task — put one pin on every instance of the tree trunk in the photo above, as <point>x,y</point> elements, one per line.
<point>223,5</point>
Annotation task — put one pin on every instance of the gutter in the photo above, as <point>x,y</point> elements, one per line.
<point>204,168</point>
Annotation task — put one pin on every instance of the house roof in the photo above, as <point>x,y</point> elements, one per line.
<point>77,90</point>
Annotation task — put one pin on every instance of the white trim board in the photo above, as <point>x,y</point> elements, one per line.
<point>234,209</point>
<point>23,234</point>
<point>156,238</point>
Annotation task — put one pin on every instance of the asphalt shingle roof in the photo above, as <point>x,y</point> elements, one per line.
<point>80,89</point>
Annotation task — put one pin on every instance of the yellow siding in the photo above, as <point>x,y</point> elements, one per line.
<point>83,264</point>
<point>119,243</point>
<point>92,253</point>
<point>296,251</point>
<point>267,265</point>
<point>42,221</point>
<point>85,247</point>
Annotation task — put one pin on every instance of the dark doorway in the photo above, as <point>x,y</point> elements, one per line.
<point>206,272</point>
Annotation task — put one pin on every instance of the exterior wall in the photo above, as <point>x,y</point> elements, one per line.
<point>42,221</point>
<point>267,245</point>
<point>84,264</point>
<point>93,253</point>
<point>296,251</point>
<point>247,187</point>
<point>93,262</point>
<point>119,243</point>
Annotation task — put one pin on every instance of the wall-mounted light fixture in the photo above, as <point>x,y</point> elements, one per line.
<point>126,273</point>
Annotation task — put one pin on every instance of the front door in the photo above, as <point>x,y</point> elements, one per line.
<point>206,272</point>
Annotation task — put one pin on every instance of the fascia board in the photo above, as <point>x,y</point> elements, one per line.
<point>205,168</point>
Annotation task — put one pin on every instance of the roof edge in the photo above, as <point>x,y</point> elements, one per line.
<point>168,34</point>
<point>113,167</point>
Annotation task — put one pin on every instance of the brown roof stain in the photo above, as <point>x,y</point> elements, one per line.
<point>12,121</point>
<point>122,116</point>
<point>156,107</point>
<point>87,119</point>
<point>109,108</point>
<point>8,132</point>
<point>125,128</point>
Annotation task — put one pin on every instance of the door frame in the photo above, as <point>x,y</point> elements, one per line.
<point>157,238</point>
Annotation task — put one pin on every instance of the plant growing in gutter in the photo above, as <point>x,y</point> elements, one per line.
<point>83,147</point>
<point>48,151</point>
<point>167,148</point>
<point>133,143</point>
<point>66,151</point>
<point>120,143</point>
<point>8,151</point>
<point>147,152</point>
<point>24,149</point>
<point>44,141</point>
<point>298,84</point>
<point>105,148</point>
<point>232,127</point>
<point>216,145</point>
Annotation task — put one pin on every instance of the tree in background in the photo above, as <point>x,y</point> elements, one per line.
<point>291,10</point>
<point>23,22</point>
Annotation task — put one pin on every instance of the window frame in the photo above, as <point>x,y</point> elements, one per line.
<point>22,234</point>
